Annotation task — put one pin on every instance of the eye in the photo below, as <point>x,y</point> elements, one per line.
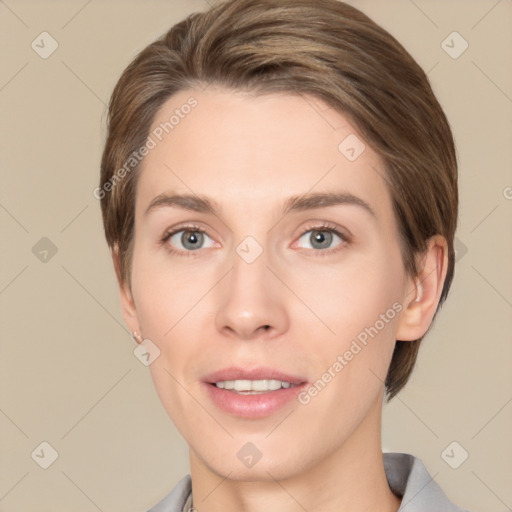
<point>320,239</point>
<point>189,240</point>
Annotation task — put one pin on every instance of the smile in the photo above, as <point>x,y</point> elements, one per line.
<point>252,393</point>
<point>253,386</point>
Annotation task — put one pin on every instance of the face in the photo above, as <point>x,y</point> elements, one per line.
<point>267,272</point>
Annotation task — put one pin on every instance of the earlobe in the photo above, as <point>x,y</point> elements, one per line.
<point>422,299</point>
<point>137,337</point>
<point>126,297</point>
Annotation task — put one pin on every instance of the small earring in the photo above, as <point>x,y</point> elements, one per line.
<point>136,338</point>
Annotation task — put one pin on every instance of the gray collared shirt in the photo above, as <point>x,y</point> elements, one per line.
<point>407,477</point>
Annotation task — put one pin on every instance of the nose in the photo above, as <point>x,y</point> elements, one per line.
<point>251,302</point>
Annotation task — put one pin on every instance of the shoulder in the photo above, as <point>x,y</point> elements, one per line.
<point>408,478</point>
<point>176,499</point>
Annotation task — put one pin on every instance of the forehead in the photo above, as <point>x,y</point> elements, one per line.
<point>238,147</point>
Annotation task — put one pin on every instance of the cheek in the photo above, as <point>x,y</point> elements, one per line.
<point>350,367</point>
<point>172,307</point>
<point>359,303</point>
<point>164,293</point>
<point>353,296</point>
<point>169,307</point>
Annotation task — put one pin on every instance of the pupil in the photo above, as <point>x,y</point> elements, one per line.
<point>321,239</point>
<point>191,239</point>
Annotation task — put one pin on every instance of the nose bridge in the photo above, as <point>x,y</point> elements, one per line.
<point>250,302</point>
<point>250,276</point>
<point>248,282</point>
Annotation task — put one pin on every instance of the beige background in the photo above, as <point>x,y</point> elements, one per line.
<point>68,374</point>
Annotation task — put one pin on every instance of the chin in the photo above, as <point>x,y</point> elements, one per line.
<point>244,461</point>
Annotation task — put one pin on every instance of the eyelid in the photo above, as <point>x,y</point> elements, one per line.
<point>342,233</point>
<point>186,226</point>
<point>190,226</point>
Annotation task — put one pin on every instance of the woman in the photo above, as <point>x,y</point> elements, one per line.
<point>279,192</point>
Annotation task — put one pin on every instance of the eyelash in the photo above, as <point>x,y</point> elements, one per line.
<point>345,239</point>
<point>325,226</point>
<point>169,234</point>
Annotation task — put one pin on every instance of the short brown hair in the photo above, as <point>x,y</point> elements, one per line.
<point>323,48</point>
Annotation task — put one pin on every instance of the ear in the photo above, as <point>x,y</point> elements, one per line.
<point>424,291</point>
<point>127,303</point>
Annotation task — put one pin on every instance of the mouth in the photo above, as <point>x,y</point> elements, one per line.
<point>253,387</point>
<point>255,393</point>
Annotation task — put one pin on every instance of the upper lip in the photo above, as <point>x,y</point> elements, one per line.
<point>260,373</point>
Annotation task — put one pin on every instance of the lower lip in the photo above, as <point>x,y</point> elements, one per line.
<point>254,405</point>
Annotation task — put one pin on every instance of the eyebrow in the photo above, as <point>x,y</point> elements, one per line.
<point>310,201</point>
<point>323,200</point>
<point>194,203</point>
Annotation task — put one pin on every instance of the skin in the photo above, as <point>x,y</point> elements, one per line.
<point>207,311</point>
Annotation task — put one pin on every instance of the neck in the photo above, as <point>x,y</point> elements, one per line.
<point>350,478</point>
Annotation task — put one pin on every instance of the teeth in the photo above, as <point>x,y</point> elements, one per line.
<point>248,386</point>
